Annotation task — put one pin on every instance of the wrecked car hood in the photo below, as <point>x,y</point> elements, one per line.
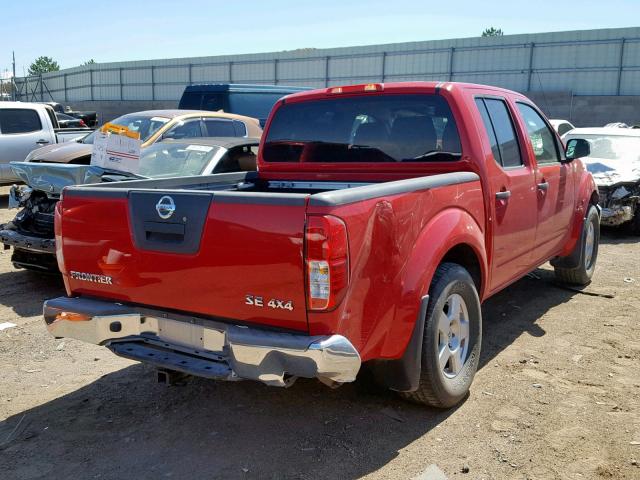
<point>52,178</point>
<point>61,152</point>
<point>608,172</point>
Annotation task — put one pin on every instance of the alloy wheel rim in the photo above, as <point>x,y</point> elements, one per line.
<point>453,336</point>
<point>589,245</point>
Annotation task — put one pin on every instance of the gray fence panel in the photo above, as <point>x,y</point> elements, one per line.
<point>210,73</point>
<point>596,62</point>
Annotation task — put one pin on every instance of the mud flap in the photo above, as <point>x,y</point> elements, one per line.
<point>403,375</point>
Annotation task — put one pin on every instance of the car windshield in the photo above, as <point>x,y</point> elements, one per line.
<point>88,139</point>
<point>611,147</point>
<point>364,128</point>
<point>146,125</point>
<point>175,159</point>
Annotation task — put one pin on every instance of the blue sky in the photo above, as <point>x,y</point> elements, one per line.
<point>72,32</point>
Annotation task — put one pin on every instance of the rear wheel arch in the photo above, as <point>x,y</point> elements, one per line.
<point>462,243</point>
<point>466,256</point>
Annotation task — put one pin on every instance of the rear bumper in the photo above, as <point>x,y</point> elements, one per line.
<point>202,347</point>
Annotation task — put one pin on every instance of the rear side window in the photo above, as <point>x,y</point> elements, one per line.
<point>489,129</point>
<point>185,129</point>
<point>364,128</point>
<point>211,102</point>
<point>190,101</point>
<point>19,120</point>
<point>503,131</point>
<point>256,105</point>
<point>219,127</point>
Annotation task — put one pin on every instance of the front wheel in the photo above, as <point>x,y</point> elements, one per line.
<point>452,339</point>
<point>588,245</point>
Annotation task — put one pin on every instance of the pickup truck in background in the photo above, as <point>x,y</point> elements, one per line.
<point>89,118</point>
<point>379,219</point>
<point>25,127</point>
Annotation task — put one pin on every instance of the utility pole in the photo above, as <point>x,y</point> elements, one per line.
<point>13,79</point>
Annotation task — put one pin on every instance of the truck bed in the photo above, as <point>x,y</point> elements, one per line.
<point>230,237</point>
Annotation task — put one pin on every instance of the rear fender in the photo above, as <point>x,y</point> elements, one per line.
<point>450,228</point>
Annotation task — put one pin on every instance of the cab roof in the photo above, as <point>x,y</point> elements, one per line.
<point>396,87</point>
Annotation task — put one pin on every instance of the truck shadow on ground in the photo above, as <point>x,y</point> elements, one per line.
<point>25,291</point>
<point>124,425</point>
<point>617,236</point>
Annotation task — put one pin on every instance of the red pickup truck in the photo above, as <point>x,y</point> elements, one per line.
<point>380,217</point>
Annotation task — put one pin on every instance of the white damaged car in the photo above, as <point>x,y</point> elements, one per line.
<point>614,162</point>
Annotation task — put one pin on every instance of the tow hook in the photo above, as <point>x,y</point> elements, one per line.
<point>172,377</point>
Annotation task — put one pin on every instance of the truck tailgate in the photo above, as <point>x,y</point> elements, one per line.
<point>207,257</point>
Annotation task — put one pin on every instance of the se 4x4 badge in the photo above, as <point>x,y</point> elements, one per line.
<point>273,303</point>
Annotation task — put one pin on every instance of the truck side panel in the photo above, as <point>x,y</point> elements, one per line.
<point>393,255</point>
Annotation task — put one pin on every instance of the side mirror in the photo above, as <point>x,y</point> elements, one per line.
<point>577,148</point>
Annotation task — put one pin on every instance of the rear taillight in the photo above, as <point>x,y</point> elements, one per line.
<point>57,227</point>
<point>327,261</point>
<point>82,124</point>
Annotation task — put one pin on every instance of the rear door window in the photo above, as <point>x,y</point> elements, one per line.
<point>488,126</point>
<point>364,128</point>
<point>19,120</point>
<point>505,132</point>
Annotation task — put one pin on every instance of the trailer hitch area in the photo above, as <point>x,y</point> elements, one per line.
<point>172,377</point>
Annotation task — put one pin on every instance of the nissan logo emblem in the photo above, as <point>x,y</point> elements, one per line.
<point>165,207</point>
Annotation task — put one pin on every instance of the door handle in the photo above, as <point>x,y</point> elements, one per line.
<point>42,141</point>
<point>543,186</point>
<point>503,195</point>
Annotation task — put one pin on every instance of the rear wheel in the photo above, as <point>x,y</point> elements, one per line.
<point>589,242</point>
<point>452,339</point>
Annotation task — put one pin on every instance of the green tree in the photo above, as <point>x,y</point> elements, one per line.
<point>492,32</point>
<point>43,65</point>
<point>91,61</point>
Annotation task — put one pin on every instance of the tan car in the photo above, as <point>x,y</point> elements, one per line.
<point>153,126</point>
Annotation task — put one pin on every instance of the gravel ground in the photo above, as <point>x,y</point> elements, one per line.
<point>557,396</point>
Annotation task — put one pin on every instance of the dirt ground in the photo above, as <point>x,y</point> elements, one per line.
<point>557,395</point>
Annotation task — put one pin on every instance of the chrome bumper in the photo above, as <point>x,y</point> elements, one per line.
<point>203,347</point>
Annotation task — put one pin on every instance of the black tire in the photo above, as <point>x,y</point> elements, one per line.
<point>581,275</point>
<point>439,387</point>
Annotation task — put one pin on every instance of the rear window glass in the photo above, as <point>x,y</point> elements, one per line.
<point>376,128</point>
<point>19,120</point>
<point>257,105</point>
<point>219,128</point>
